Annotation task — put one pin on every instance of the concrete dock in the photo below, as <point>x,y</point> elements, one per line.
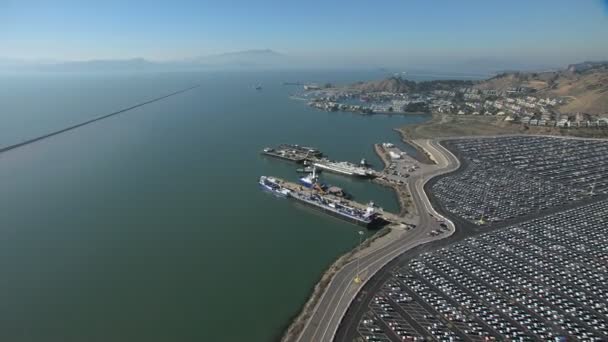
<point>90,121</point>
<point>294,153</point>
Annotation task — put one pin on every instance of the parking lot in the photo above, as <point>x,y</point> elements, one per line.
<point>400,165</point>
<point>539,280</point>
<point>510,177</point>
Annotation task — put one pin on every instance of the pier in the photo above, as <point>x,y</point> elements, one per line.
<point>303,154</point>
<point>98,118</point>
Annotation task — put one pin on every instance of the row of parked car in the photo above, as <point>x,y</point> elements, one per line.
<point>577,163</point>
<point>543,279</point>
<point>510,177</point>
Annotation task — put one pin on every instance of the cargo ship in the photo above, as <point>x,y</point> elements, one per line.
<point>344,168</point>
<point>311,179</point>
<point>368,217</point>
<point>294,153</point>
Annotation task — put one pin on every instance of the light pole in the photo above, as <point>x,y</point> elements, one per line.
<point>357,277</point>
<point>483,205</point>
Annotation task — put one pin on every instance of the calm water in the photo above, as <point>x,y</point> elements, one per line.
<point>149,226</point>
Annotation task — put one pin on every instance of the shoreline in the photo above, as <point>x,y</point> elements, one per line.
<point>293,330</point>
<point>421,155</point>
<point>296,325</point>
<point>341,291</point>
<point>300,98</point>
<point>299,321</point>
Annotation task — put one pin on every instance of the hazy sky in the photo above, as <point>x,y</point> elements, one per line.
<point>354,30</point>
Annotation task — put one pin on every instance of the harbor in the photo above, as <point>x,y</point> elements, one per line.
<point>326,197</point>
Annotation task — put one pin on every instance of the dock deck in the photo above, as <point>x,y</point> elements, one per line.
<point>295,153</point>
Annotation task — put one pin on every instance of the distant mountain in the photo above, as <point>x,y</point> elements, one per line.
<point>247,58</point>
<point>584,66</point>
<point>134,64</point>
<point>15,64</point>
<point>265,58</point>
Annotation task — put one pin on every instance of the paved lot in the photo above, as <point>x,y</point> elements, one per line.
<point>401,166</point>
<point>537,280</point>
<point>506,178</point>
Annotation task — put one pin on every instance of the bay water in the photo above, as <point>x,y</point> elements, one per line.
<point>150,225</point>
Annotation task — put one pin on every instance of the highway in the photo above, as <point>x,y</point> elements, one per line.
<point>341,291</point>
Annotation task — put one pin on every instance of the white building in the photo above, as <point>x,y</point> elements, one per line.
<point>394,155</point>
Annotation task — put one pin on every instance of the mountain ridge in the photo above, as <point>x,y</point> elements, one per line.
<point>245,58</point>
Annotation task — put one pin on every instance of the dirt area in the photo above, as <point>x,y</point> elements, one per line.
<point>444,125</point>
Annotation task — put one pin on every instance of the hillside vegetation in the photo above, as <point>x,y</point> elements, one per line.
<point>445,125</point>
<point>584,84</point>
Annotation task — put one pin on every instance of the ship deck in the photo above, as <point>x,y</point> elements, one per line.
<point>389,217</point>
<point>294,157</point>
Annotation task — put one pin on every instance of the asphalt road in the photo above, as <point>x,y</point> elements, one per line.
<point>341,291</point>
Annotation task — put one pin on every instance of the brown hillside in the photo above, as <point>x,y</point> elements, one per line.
<point>392,84</point>
<point>584,84</point>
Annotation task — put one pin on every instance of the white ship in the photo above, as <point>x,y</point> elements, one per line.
<point>344,168</point>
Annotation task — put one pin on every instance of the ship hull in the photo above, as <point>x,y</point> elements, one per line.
<point>367,224</point>
<point>287,158</point>
<point>342,172</point>
<point>359,217</point>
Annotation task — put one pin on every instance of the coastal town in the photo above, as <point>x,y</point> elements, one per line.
<point>517,105</point>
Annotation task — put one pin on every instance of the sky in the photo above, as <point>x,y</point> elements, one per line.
<point>354,31</point>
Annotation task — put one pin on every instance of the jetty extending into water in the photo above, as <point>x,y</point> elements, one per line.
<point>98,118</point>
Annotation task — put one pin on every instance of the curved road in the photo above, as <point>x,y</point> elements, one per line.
<point>333,304</point>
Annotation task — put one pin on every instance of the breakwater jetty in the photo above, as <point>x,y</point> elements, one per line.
<point>98,118</point>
